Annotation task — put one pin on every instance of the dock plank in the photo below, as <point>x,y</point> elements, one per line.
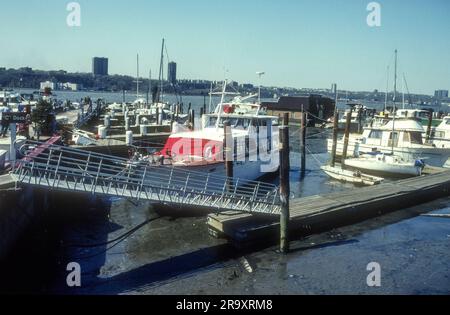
<point>334,209</point>
<point>7,182</point>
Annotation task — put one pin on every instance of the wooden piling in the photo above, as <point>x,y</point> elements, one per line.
<point>284,184</point>
<point>335,136</point>
<point>157,115</point>
<point>346,138</point>
<point>430,124</point>
<point>228,152</point>
<point>303,142</point>
<point>192,119</point>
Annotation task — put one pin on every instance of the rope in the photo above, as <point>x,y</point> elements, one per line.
<point>118,240</point>
<point>319,163</point>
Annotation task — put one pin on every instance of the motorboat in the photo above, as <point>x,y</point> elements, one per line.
<point>386,165</point>
<point>402,138</point>
<point>351,176</point>
<point>440,136</point>
<point>254,136</point>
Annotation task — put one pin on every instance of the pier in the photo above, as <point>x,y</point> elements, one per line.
<point>328,211</point>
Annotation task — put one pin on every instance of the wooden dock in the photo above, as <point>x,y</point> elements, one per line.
<point>328,211</point>
<point>6,182</point>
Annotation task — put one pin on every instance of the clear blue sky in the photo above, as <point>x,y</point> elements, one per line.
<point>298,43</point>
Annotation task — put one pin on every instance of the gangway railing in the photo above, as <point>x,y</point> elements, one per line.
<point>65,168</point>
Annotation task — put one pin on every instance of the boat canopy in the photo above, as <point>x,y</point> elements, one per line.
<point>404,125</point>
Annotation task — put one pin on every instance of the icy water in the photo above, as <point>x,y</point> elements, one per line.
<point>174,254</point>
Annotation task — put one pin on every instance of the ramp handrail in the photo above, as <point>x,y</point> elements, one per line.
<point>60,167</point>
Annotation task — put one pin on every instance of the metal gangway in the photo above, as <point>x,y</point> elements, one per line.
<point>64,168</point>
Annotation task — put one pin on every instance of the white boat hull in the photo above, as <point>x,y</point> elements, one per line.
<point>351,176</point>
<point>432,156</point>
<point>250,170</point>
<point>382,168</point>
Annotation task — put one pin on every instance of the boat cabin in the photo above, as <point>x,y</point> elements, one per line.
<point>405,133</point>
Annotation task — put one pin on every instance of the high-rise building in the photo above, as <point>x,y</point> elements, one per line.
<point>441,94</point>
<point>99,66</point>
<point>172,72</point>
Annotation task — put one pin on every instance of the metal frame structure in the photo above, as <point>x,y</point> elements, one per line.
<point>64,168</point>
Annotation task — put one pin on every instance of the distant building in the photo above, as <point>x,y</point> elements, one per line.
<point>333,88</point>
<point>70,86</point>
<point>99,66</point>
<point>441,94</point>
<point>172,72</point>
<point>320,107</point>
<point>48,84</point>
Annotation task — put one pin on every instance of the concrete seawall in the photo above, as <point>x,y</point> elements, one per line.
<point>18,209</point>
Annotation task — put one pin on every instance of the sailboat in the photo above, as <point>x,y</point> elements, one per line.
<point>403,138</point>
<point>384,163</point>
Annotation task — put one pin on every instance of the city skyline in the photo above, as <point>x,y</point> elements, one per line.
<point>300,44</point>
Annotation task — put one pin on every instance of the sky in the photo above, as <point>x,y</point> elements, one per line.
<point>297,43</point>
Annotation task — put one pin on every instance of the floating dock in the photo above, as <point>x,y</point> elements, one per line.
<point>328,211</point>
<point>7,182</point>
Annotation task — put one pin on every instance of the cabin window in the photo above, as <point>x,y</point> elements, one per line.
<point>439,134</point>
<point>406,137</point>
<point>375,134</point>
<point>239,123</point>
<point>416,137</point>
<point>393,139</point>
<point>447,121</point>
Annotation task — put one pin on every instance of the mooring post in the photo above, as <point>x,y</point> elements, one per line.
<point>430,124</point>
<point>346,138</point>
<point>192,117</point>
<point>303,142</point>
<point>335,136</point>
<point>228,153</point>
<point>284,184</point>
<point>157,115</point>
<point>172,120</point>
<point>12,145</point>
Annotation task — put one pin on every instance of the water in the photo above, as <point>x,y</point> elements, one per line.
<point>174,254</point>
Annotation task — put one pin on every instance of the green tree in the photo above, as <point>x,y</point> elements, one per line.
<point>41,116</point>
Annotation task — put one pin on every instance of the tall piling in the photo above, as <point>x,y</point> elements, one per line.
<point>228,153</point>
<point>284,184</point>
<point>430,125</point>
<point>335,136</point>
<point>303,142</point>
<point>192,119</point>
<point>346,138</point>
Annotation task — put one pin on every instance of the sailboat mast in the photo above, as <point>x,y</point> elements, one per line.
<point>149,88</point>
<point>210,97</point>
<point>387,91</point>
<point>395,79</point>
<point>403,96</point>
<point>161,73</point>
<point>222,99</point>
<point>137,76</point>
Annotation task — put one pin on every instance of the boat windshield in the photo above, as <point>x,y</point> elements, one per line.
<point>235,122</point>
